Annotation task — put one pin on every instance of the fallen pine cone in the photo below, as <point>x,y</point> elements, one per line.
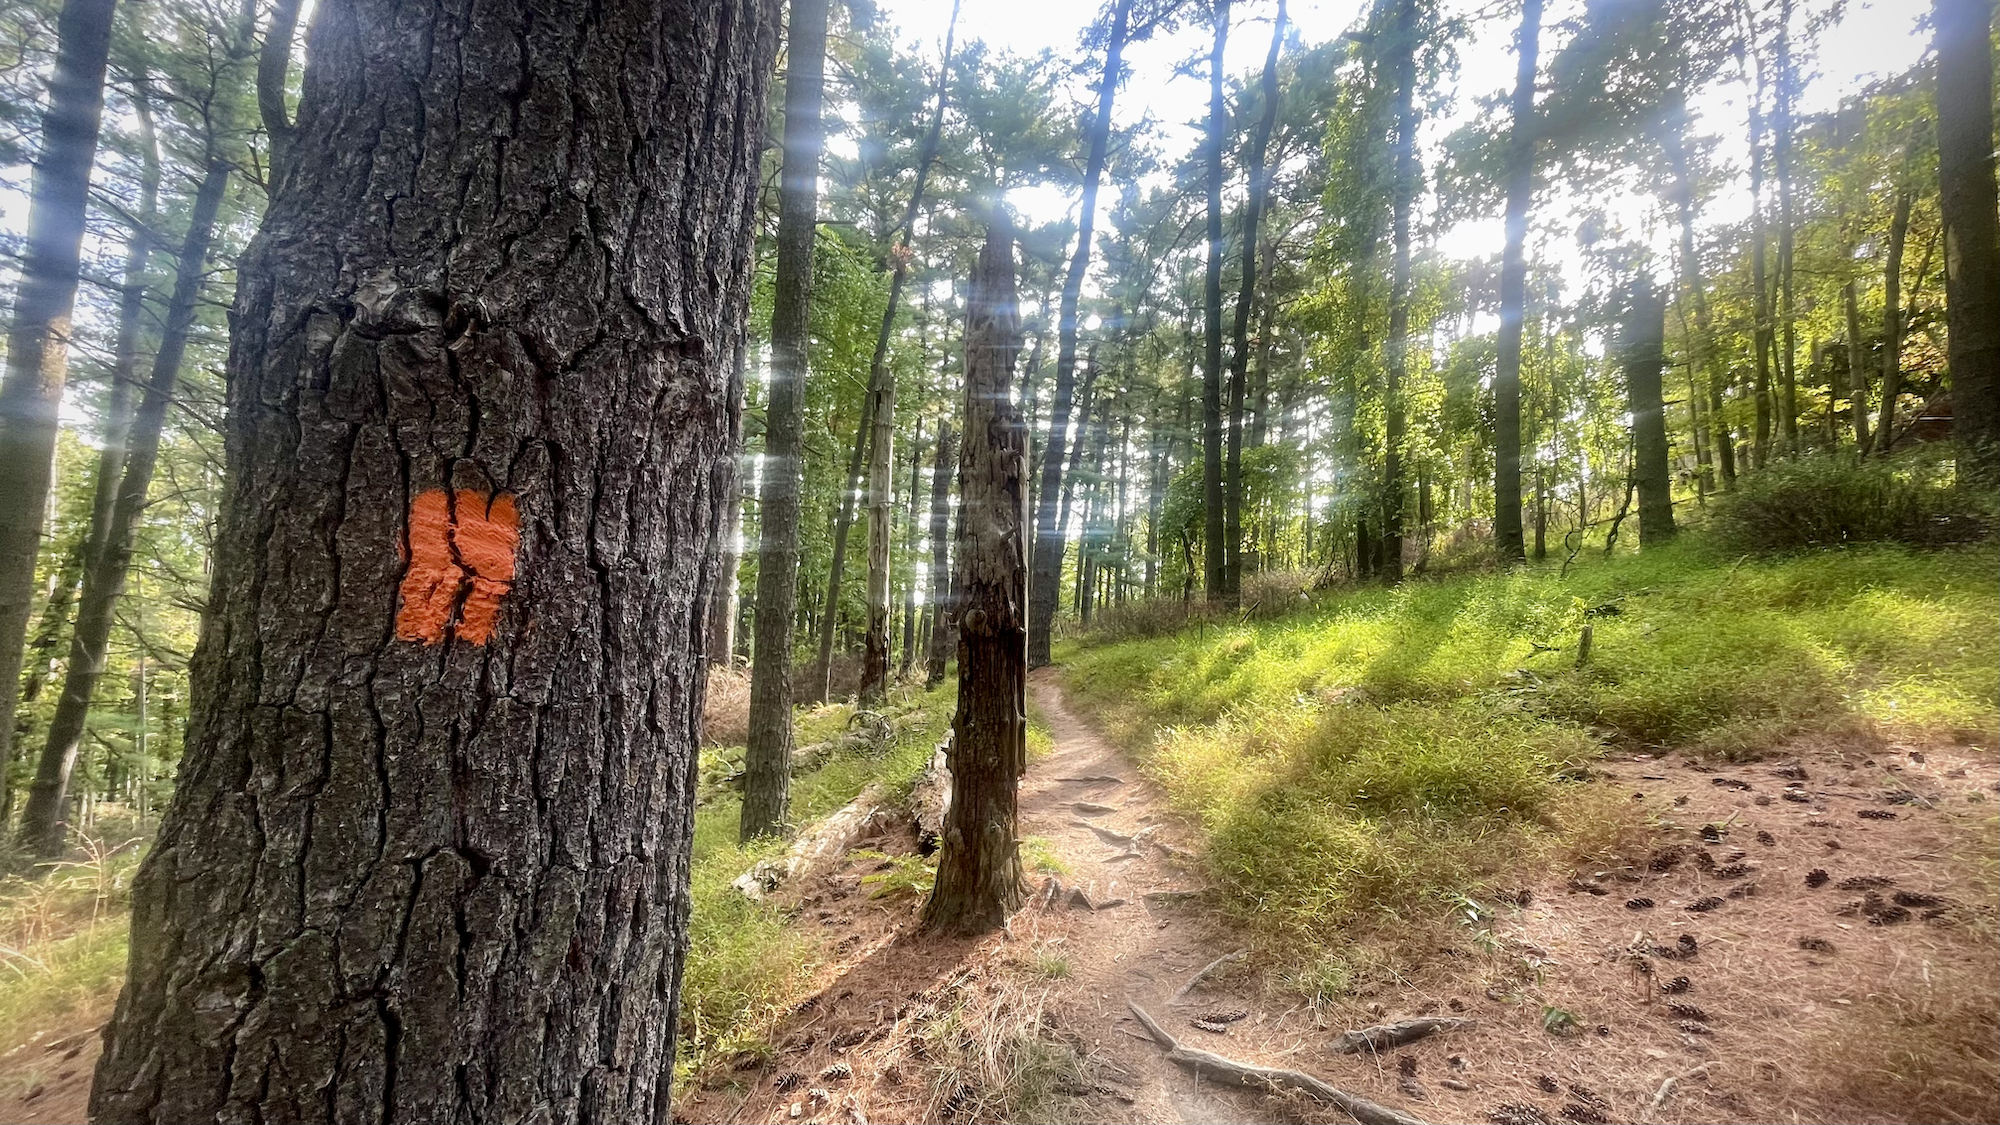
<point>1703,905</point>
<point>1817,877</point>
<point>1517,1113</point>
<point>1226,1015</point>
<point>1213,1027</point>
<point>1815,945</point>
<point>1638,904</point>
<point>1875,814</point>
<point>1688,1012</point>
<point>1677,986</point>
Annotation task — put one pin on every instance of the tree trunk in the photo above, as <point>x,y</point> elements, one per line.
<point>1644,347</point>
<point>1967,198</point>
<point>911,519</point>
<point>1788,417</point>
<point>723,610</point>
<point>881,532</point>
<point>943,612</point>
<point>1260,380</point>
<point>767,752</point>
<point>274,66</point>
<point>1403,63</point>
<point>1892,333</point>
<point>1239,355</point>
<point>109,556</point>
<point>1761,301</point>
<point>1713,376</point>
<point>1044,586</point>
<point>1214,522</point>
<point>437,870</point>
<point>31,391</point>
<point>1507,537</point>
<point>979,876</point>
<point>1857,368</point>
<point>879,372</point>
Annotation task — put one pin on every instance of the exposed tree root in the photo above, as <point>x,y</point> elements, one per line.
<point>1207,1064</point>
<point>1384,1036</point>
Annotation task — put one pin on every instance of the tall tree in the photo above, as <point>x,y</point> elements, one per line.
<point>944,609</point>
<point>1892,330</point>
<point>1044,584</point>
<point>109,556</point>
<point>1403,197</point>
<point>437,870</point>
<point>979,876</point>
<point>1508,540</point>
<point>274,68</point>
<point>1967,196</point>
<point>879,372</point>
<point>1783,128</point>
<point>767,753</point>
<point>881,530</point>
<point>1644,358</point>
<point>31,390</point>
<point>1239,356</point>
<point>1214,522</point>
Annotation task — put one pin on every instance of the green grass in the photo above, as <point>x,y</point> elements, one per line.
<point>63,938</point>
<point>746,964</point>
<point>1372,758</point>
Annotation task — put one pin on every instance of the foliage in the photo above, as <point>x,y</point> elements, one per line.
<point>1834,499</point>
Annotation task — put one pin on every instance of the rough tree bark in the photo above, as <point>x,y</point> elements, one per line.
<point>878,370</point>
<point>1508,542</point>
<point>767,751</point>
<point>979,876</point>
<point>1214,522</point>
<point>31,390</point>
<point>428,855</point>
<point>1967,197</point>
<point>1239,356</point>
<point>1044,585</point>
<point>1403,65</point>
<point>1644,359</point>
<point>109,555</point>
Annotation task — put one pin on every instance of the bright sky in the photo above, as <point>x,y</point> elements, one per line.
<point>1876,38</point>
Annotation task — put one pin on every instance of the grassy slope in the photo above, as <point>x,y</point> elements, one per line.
<point>1382,751</point>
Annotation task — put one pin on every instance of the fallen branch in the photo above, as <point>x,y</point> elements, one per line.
<point>930,799</point>
<point>828,840</point>
<point>1207,1064</point>
<point>1383,1036</point>
<point>1205,972</point>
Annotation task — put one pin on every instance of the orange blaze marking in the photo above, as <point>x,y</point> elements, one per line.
<point>463,564</point>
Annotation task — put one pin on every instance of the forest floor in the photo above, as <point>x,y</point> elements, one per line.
<point>1866,997</point>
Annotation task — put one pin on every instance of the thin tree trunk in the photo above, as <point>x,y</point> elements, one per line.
<point>1043,585</point>
<point>1967,198</point>
<point>1644,359</point>
<point>31,391</point>
<point>910,520</point>
<point>1788,417</point>
<point>438,871</point>
<point>881,532</point>
<point>1892,332</point>
<point>110,555</point>
<point>723,611</point>
<point>1514,292</point>
<point>1239,355</point>
<point>1260,380</point>
<point>1761,302</point>
<point>879,372</point>
<point>1404,66</point>
<point>767,753</point>
<point>979,876</point>
<point>944,612</point>
<point>1857,368</point>
<point>1214,520</point>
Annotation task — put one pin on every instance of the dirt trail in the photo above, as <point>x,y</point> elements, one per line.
<point>1110,828</point>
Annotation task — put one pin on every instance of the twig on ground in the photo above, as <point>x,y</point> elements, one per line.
<point>1205,972</point>
<point>1666,1089</point>
<point>1383,1036</point>
<point>1207,1064</point>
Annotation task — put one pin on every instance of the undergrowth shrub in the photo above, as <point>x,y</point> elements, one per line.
<point>1829,500</point>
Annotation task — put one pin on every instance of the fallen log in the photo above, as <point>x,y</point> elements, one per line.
<point>1384,1036</point>
<point>1209,1065</point>
<point>824,842</point>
